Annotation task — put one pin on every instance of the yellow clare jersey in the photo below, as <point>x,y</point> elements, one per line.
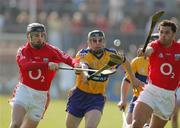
<point>97,85</point>
<point>139,66</point>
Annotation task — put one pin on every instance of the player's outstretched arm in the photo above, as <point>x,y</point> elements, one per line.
<point>125,85</point>
<point>135,82</point>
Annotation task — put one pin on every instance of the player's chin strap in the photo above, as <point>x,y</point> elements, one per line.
<point>30,36</point>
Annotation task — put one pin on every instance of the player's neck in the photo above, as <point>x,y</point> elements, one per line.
<point>167,45</point>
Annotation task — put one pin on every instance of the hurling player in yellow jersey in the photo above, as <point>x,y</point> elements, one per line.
<point>87,99</point>
<point>139,66</point>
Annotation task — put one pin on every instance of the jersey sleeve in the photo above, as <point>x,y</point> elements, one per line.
<point>26,63</point>
<point>80,56</point>
<point>65,58</point>
<point>154,45</point>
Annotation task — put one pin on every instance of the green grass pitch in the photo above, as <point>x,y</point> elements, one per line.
<point>55,115</point>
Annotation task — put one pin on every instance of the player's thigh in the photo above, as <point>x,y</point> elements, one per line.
<point>29,123</point>
<point>18,113</point>
<point>142,112</point>
<point>92,118</point>
<point>72,121</point>
<point>157,122</point>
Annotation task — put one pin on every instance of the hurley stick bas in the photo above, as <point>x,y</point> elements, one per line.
<point>154,19</point>
<point>104,72</point>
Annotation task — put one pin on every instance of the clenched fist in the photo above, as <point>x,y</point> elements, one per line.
<point>52,66</point>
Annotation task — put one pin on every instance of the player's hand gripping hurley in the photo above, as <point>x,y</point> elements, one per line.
<point>114,60</point>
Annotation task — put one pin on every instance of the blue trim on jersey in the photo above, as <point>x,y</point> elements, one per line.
<point>84,51</point>
<point>127,80</point>
<point>88,50</point>
<point>141,77</point>
<point>110,50</point>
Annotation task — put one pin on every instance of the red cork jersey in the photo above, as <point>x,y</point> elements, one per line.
<point>164,69</point>
<point>33,65</point>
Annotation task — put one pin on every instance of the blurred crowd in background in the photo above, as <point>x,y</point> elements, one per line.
<point>68,22</point>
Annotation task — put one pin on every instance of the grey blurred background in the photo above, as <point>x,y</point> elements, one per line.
<point>68,23</point>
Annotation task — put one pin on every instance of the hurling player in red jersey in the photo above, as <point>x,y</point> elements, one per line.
<point>174,119</point>
<point>158,97</point>
<point>37,61</point>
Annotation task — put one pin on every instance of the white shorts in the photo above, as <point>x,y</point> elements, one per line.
<point>162,101</point>
<point>35,102</point>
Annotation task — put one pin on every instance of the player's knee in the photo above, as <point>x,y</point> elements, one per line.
<point>137,124</point>
<point>15,124</point>
<point>70,125</point>
<point>174,118</point>
<point>91,125</point>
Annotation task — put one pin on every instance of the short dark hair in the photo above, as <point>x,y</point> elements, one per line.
<point>168,23</point>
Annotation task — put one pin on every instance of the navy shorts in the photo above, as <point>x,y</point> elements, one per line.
<point>81,102</point>
<point>132,104</point>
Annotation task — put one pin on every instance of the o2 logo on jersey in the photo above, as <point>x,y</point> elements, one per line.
<point>166,69</point>
<point>38,76</point>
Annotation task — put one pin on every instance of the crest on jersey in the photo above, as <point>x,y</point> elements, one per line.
<point>161,55</point>
<point>45,59</point>
<point>177,56</point>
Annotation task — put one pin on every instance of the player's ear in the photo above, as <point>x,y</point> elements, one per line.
<point>89,43</point>
<point>27,35</point>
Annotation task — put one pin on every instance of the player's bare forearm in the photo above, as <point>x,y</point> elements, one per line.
<point>135,83</point>
<point>129,71</point>
<point>148,51</point>
<point>124,93</point>
<point>125,85</point>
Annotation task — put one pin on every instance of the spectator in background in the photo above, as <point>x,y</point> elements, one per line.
<point>23,18</point>
<point>42,17</point>
<point>131,51</point>
<point>127,26</point>
<point>77,28</point>
<point>55,38</point>
<point>102,23</point>
<point>116,13</point>
<point>67,40</point>
<point>54,29</point>
<point>2,22</point>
